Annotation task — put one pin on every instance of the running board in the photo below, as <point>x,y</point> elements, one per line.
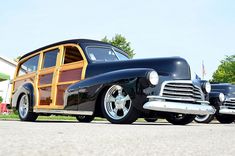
<point>65,112</point>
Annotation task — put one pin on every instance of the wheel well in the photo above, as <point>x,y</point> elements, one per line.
<point>98,111</point>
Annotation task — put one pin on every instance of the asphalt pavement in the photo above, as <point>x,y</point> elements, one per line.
<point>102,138</point>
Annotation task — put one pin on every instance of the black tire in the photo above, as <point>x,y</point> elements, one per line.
<point>128,118</point>
<point>150,119</point>
<point>225,119</point>
<point>180,119</point>
<point>24,111</point>
<point>204,118</point>
<point>85,118</point>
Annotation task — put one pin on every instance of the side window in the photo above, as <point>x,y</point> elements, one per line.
<point>29,66</point>
<point>50,58</point>
<point>120,55</point>
<point>72,54</point>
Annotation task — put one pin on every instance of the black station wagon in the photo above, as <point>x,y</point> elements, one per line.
<point>87,79</point>
<point>222,97</point>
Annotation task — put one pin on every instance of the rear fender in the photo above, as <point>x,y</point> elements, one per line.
<point>26,88</point>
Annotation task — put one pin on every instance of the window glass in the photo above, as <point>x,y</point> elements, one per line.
<point>101,54</point>
<point>29,66</point>
<point>120,55</point>
<point>232,90</point>
<point>50,58</point>
<point>72,54</point>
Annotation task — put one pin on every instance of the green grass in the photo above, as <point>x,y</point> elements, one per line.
<point>9,116</point>
<point>13,116</point>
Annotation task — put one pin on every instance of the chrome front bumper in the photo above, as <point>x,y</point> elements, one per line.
<point>226,110</point>
<point>159,103</point>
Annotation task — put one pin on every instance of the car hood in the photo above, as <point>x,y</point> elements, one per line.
<point>227,89</point>
<point>175,67</point>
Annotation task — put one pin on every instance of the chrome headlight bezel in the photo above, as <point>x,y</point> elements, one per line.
<point>221,97</point>
<point>206,87</point>
<point>153,78</point>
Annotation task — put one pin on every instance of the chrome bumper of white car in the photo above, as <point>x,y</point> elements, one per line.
<point>226,110</point>
<point>159,103</point>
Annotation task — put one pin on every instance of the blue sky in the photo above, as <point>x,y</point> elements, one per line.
<point>195,30</point>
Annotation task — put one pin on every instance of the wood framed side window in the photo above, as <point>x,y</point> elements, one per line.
<point>71,55</point>
<point>50,58</point>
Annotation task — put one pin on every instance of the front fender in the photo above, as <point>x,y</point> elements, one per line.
<point>213,95</point>
<point>87,91</point>
<point>26,88</point>
<point>214,99</point>
<point>120,76</point>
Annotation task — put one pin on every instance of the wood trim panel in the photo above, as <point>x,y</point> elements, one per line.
<point>73,65</point>
<point>67,82</point>
<point>23,77</point>
<point>82,65</point>
<point>70,75</point>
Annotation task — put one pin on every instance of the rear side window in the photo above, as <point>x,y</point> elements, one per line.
<point>29,66</point>
<point>50,58</point>
<point>72,54</point>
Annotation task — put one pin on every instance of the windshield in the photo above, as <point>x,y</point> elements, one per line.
<point>232,91</point>
<point>226,89</point>
<point>104,54</point>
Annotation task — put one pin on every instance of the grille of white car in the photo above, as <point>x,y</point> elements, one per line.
<point>230,103</point>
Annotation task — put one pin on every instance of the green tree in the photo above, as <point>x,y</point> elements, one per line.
<point>1,99</point>
<point>226,71</point>
<point>120,42</point>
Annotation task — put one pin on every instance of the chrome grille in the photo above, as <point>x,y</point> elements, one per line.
<point>182,90</point>
<point>230,104</point>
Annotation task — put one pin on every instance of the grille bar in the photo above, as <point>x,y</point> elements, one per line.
<point>182,90</point>
<point>230,104</point>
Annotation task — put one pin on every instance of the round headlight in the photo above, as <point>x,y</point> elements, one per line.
<point>207,87</point>
<point>221,97</point>
<point>153,77</point>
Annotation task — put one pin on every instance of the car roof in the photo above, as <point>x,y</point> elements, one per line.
<point>73,41</point>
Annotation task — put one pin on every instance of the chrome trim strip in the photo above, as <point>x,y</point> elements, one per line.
<point>178,89</point>
<point>224,110</point>
<point>177,107</point>
<point>69,112</point>
<point>183,94</point>
<point>158,103</point>
<point>161,98</point>
<point>229,107</point>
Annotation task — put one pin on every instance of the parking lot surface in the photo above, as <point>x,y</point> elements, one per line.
<point>102,138</point>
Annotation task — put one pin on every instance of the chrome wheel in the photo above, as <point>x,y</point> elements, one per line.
<point>117,102</point>
<point>202,118</point>
<point>24,106</point>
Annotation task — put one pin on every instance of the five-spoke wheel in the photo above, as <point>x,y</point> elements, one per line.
<point>24,109</point>
<point>117,106</point>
